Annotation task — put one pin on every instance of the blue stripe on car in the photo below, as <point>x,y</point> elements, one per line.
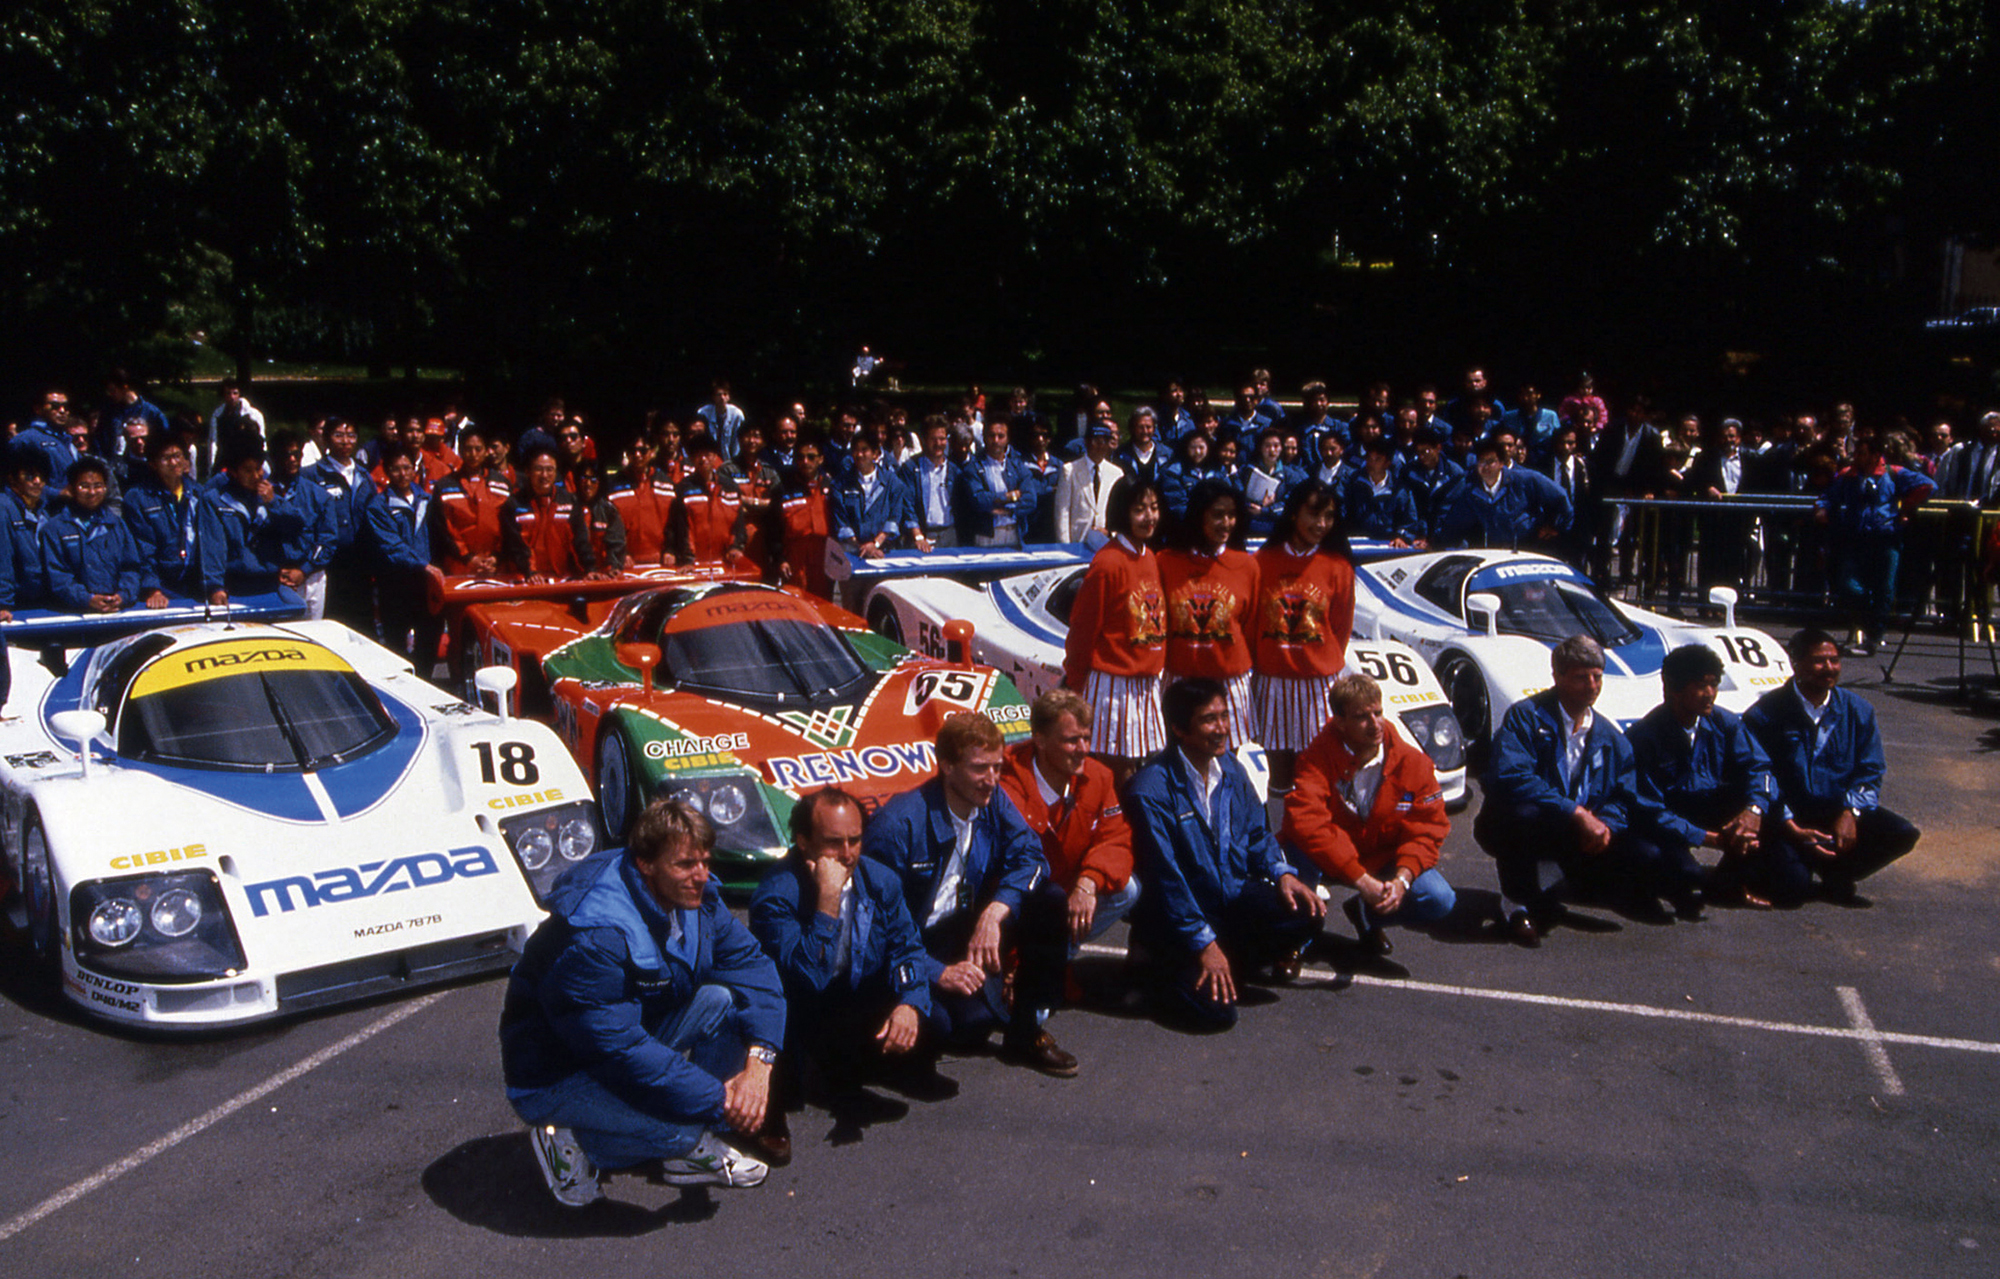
<point>1016,616</point>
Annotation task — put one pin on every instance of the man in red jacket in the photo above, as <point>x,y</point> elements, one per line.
<point>1069,799</point>
<point>1367,810</point>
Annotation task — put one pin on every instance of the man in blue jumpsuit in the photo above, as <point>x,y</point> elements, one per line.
<point>857,978</point>
<point>642,1018</point>
<point>1561,792</point>
<point>871,503</point>
<point>1826,754</point>
<point>1708,777</point>
<point>1221,900</point>
<point>973,878</point>
<point>1502,506</point>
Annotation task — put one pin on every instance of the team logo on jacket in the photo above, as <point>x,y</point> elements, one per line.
<point>1296,613</point>
<point>1203,616</point>
<point>1149,617</point>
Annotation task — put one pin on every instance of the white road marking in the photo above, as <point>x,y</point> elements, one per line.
<point>1879,1037</point>
<point>111,1172</point>
<point>1871,1041</point>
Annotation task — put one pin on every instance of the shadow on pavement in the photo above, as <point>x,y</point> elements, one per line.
<point>493,1183</point>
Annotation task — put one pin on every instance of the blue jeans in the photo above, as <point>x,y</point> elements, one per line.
<point>1111,907</point>
<point>614,1132</point>
<point>1429,899</point>
<point>1867,580</point>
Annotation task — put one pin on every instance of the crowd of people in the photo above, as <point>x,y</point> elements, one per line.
<point>646,1029</point>
<point>559,499</point>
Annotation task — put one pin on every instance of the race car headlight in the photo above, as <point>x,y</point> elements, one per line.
<point>577,839</point>
<point>727,804</point>
<point>1436,731</point>
<point>734,802</point>
<point>549,841</point>
<point>176,913</point>
<point>536,845</point>
<point>116,921</point>
<point>158,928</point>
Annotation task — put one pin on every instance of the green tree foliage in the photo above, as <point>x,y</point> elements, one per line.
<point>620,192</point>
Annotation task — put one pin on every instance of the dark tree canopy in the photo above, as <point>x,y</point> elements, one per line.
<point>622,192</point>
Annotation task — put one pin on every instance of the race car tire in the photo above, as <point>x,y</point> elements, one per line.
<point>1465,687</point>
<point>38,890</point>
<point>883,621</point>
<point>618,798</point>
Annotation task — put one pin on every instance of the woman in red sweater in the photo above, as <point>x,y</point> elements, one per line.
<point>1117,633</point>
<point>1211,585</point>
<point>1305,616</point>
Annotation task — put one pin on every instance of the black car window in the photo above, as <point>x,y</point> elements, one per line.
<point>259,721</point>
<point>1443,583</point>
<point>1063,598</point>
<point>774,659</point>
<point>1552,610</point>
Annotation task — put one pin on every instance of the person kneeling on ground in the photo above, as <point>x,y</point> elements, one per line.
<point>1367,810</point>
<point>1826,754</point>
<point>857,978</point>
<point>976,883</point>
<point>1220,900</point>
<point>642,1019</point>
<point>1561,790</point>
<point>1708,777</point>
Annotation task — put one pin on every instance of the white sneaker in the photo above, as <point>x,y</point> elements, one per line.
<point>713,1162</point>
<point>571,1176</point>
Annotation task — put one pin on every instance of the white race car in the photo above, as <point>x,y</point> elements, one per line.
<point>270,818</point>
<point>1020,622</point>
<point>1486,620</point>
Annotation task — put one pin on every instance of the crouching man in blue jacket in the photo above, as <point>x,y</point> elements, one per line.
<point>1562,789</point>
<point>857,977</point>
<point>1220,900</point>
<point>642,1019</point>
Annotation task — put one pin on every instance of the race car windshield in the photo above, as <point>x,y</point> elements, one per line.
<point>1552,610</point>
<point>773,659</point>
<point>258,721</point>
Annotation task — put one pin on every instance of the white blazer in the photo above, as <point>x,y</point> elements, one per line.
<point>1079,505</point>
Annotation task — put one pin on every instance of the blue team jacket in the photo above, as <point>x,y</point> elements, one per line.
<point>397,533</point>
<point>600,973</point>
<point>1872,504</point>
<point>1698,788</point>
<point>785,917</point>
<point>1526,765</point>
<point>350,502</point>
<point>1523,503</point>
<point>311,547</point>
<point>859,520</point>
<point>913,836</point>
<point>23,584</point>
<point>978,500</point>
<point>254,532</point>
<point>86,555</point>
<point>1819,772</point>
<point>163,528</point>
<point>913,473</point>
<point>1386,515</point>
<point>1190,868</point>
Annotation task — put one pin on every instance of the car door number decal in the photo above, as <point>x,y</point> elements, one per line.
<point>1395,667</point>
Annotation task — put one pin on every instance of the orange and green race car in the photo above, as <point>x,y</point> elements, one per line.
<point>740,698</point>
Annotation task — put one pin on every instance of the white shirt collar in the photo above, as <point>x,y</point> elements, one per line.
<point>1050,794</point>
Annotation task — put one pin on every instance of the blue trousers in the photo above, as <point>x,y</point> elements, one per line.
<point>1429,899</point>
<point>614,1132</point>
<point>1866,580</point>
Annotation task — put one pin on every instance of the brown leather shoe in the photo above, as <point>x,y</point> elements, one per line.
<point>1286,966</point>
<point>1522,930</point>
<point>1368,933</point>
<point>1039,1052</point>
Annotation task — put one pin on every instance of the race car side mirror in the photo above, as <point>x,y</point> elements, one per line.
<point>81,727</point>
<point>499,681</point>
<point>1483,610</point>
<point>643,656</point>
<point>1724,597</point>
<point>958,641</point>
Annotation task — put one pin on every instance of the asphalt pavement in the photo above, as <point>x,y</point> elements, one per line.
<point>1810,1092</point>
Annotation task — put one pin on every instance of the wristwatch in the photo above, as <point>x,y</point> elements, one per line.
<point>768,1056</point>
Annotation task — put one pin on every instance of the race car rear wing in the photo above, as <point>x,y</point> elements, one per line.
<point>975,562</point>
<point>48,628</point>
<point>452,593</point>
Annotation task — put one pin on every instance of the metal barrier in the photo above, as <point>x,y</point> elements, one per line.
<point>1777,556</point>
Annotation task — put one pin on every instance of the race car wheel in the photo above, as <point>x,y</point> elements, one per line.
<point>1465,687</point>
<point>618,797</point>
<point>883,621</point>
<point>38,891</point>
